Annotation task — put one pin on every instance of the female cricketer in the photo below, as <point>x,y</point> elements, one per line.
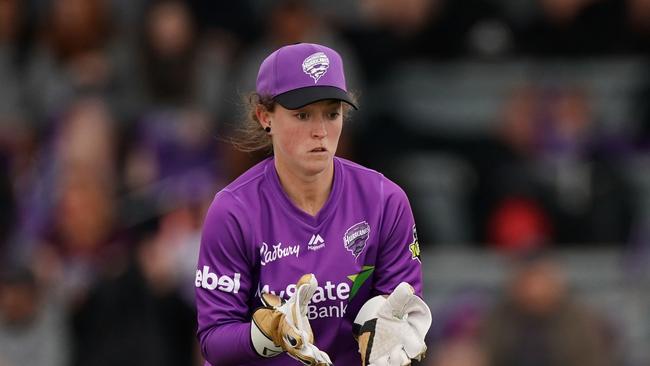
<point>307,256</point>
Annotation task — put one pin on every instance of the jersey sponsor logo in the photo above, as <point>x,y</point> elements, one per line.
<point>278,252</point>
<point>356,237</point>
<point>414,247</point>
<point>316,242</point>
<point>340,293</point>
<point>359,279</point>
<point>210,281</point>
<point>316,65</point>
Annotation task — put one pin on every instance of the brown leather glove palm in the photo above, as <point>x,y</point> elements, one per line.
<point>281,326</point>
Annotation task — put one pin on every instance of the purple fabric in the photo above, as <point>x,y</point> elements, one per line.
<point>302,65</point>
<point>255,239</point>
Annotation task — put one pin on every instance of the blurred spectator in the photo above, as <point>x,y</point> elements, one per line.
<point>69,202</point>
<point>459,353</point>
<point>579,162</point>
<point>137,316</point>
<point>16,130</point>
<point>168,51</point>
<point>83,241</point>
<point>555,156</point>
<point>179,96</point>
<point>512,201</point>
<point>173,160</point>
<point>456,339</point>
<point>575,28</point>
<point>8,212</point>
<point>389,32</point>
<point>237,21</point>
<point>519,223</point>
<point>178,237</point>
<point>32,325</point>
<point>638,24</point>
<point>539,323</point>
<point>171,144</point>
<point>70,58</point>
<point>12,46</point>
<point>178,67</point>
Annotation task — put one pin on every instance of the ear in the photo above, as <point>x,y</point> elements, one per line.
<point>263,116</point>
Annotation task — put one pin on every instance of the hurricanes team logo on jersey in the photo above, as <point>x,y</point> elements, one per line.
<point>316,65</point>
<point>356,237</point>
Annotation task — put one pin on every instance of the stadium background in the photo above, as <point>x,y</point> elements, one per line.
<point>515,126</point>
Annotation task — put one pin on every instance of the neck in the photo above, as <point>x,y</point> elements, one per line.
<point>307,192</point>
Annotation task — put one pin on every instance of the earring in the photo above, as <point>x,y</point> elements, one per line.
<point>267,129</point>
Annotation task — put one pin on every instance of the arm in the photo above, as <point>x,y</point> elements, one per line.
<point>398,258</point>
<point>391,326</point>
<point>224,284</point>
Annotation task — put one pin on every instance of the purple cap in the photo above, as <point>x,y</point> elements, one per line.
<point>303,73</point>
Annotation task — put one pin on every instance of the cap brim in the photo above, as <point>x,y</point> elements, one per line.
<point>299,98</point>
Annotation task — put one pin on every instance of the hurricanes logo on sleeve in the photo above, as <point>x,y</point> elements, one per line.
<point>414,247</point>
<point>316,65</point>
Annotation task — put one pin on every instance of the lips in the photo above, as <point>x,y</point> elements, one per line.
<point>318,149</point>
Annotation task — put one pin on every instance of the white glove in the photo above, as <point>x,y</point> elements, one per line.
<point>283,326</point>
<point>392,329</point>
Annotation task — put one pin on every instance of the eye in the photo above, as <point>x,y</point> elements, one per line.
<point>303,116</point>
<point>333,115</point>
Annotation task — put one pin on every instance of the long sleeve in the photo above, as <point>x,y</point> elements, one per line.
<point>224,280</point>
<point>398,258</point>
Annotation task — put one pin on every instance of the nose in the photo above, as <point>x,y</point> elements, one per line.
<point>319,129</point>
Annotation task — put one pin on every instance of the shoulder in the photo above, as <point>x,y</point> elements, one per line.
<point>249,180</point>
<point>230,202</point>
<point>371,179</point>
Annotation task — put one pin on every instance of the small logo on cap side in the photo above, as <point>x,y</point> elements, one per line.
<point>316,65</point>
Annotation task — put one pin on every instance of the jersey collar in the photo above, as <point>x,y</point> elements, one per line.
<point>281,196</point>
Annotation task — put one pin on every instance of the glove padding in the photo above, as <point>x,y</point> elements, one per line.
<point>283,326</point>
<point>391,329</point>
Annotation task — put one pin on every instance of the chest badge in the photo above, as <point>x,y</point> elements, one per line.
<point>356,237</point>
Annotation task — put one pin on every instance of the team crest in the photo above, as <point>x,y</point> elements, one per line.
<point>414,247</point>
<point>316,65</point>
<point>356,237</point>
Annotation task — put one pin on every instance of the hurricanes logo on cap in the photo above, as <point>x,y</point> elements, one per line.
<point>316,65</point>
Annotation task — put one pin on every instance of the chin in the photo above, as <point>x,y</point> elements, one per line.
<point>316,166</point>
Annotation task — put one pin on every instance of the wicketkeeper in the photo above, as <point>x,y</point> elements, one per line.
<point>308,257</point>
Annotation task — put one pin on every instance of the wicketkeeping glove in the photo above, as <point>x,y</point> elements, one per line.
<point>283,326</point>
<point>391,329</point>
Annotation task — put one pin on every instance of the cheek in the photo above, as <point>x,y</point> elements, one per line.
<point>334,131</point>
<point>290,139</point>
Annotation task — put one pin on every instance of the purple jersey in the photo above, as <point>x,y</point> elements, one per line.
<point>360,244</point>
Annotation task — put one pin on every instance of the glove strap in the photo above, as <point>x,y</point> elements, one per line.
<point>366,337</point>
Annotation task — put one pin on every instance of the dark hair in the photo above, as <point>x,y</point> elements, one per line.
<point>250,136</point>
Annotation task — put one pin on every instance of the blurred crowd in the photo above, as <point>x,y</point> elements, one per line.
<point>115,118</point>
